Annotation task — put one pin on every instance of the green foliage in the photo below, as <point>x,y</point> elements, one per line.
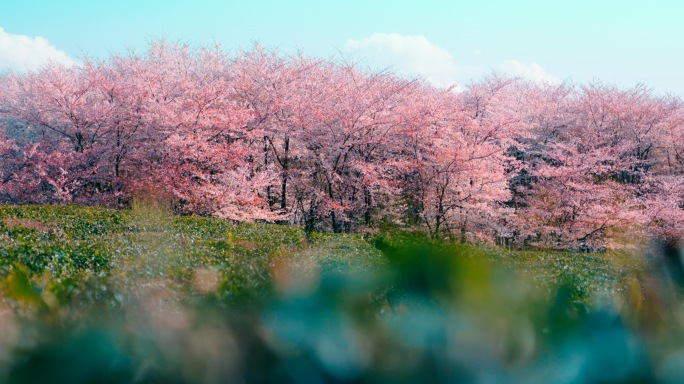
<point>95,295</point>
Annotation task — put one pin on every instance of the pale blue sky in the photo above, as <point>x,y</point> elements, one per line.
<point>622,42</point>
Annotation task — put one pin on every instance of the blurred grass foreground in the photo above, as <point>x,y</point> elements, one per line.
<point>141,296</point>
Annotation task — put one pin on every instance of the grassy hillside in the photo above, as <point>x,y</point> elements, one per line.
<point>147,246</point>
<point>90,294</point>
<point>79,244</point>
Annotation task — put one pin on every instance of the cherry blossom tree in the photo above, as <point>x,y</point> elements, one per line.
<point>331,145</point>
<point>589,163</point>
<point>458,178</point>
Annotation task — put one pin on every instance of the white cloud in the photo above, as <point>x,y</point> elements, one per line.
<point>529,71</point>
<point>22,53</point>
<point>410,55</point>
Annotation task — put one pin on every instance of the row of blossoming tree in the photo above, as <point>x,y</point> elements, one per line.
<point>329,145</point>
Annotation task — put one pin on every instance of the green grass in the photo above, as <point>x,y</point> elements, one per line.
<point>591,276</point>
<point>126,250</point>
<point>76,244</point>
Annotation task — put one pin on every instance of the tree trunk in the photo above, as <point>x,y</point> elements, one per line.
<point>334,223</point>
<point>309,221</point>
<point>286,165</point>
<point>78,142</point>
<point>367,201</point>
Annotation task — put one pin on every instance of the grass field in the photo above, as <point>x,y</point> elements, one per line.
<point>96,295</point>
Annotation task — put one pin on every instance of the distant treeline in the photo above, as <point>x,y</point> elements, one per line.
<point>331,145</point>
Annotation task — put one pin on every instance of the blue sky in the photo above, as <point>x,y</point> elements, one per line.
<point>621,42</point>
